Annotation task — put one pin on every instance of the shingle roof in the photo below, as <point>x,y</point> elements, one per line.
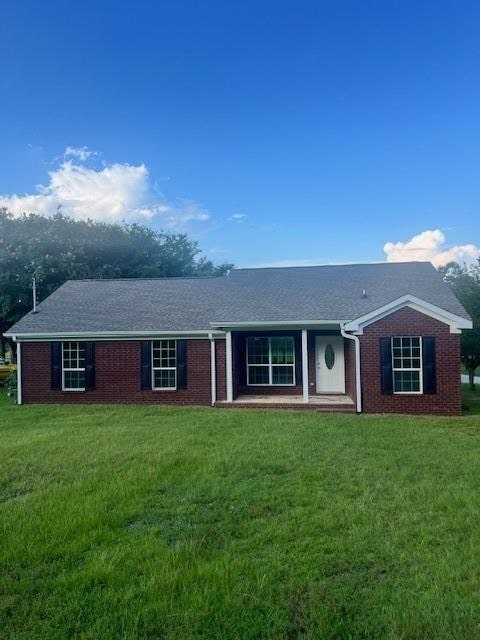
<point>246,295</point>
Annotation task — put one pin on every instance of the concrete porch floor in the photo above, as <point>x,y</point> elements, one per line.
<point>317,402</point>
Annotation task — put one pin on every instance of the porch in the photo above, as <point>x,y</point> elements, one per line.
<point>312,367</point>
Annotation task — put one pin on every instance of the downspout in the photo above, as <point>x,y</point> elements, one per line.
<point>213,369</point>
<point>358,379</point>
<point>19,373</point>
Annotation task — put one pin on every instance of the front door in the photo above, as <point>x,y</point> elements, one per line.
<point>330,364</point>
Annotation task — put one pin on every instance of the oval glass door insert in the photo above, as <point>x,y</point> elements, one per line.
<point>329,356</point>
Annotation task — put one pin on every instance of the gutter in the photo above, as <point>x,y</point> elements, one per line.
<point>110,335</point>
<point>358,378</point>
<point>275,323</point>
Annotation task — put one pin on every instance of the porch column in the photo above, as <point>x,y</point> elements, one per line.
<point>305,365</point>
<point>213,370</point>
<point>228,365</point>
<point>19,373</point>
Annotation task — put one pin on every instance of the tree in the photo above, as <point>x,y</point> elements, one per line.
<point>59,248</point>
<point>465,282</point>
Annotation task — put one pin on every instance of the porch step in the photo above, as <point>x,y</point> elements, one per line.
<point>317,402</point>
<point>327,408</point>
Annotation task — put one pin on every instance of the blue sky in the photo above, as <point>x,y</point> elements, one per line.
<point>271,131</point>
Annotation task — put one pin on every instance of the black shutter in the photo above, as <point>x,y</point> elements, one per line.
<point>298,358</point>
<point>89,366</point>
<point>146,365</point>
<point>56,363</point>
<point>386,365</point>
<point>429,368</point>
<point>181,364</point>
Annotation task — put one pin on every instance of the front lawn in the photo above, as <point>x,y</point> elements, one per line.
<point>146,522</point>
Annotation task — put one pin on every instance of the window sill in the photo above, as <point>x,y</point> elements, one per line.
<point>271,385</point>
<point>408,393</point>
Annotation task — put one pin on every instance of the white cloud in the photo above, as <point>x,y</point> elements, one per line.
<point>82,153</point>
<point>429,246</point>
<point>238,217</point>
<point>112,193</point>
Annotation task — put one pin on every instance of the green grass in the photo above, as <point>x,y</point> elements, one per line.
<point>146,522</point>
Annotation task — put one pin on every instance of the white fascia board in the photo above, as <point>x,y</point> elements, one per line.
<point>112,335</point>
<point>456,323</point>
<point>278,324</point>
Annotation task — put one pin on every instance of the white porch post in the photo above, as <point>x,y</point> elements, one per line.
<point>19,373</point>
<point>305,365</point>
<point>213,370</point>
<point>228,365</point>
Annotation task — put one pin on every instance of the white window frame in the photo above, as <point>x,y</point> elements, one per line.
<point>154,388</point>
<point>419,369</point>
<point>270,365</point>
<point>64,369</point>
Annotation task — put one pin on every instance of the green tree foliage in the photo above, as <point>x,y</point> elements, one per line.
<point>465,281</point>
<point>57,249</point>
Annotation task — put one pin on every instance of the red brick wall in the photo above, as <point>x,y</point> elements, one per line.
<point>408,322</point>
<point>117,374</point>
<point>220,350</point>
<point>350,380</point>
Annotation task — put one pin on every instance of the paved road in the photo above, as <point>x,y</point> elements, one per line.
<point>465,378</point>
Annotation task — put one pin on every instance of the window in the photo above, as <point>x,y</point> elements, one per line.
<point>329,356</point>
<point>270,361</point>
<point>407,365</point>
<point>73,366</point>
<point>164,364</point>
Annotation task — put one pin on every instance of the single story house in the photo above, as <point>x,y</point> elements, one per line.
<point>360,337</point>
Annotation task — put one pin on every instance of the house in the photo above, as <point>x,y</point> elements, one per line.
<point>363,337</point>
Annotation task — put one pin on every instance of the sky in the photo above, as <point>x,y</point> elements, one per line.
<point>272,132</point>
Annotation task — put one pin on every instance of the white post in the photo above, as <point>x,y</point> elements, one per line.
<point>228,366</point>
<point>213,370</point>
<point>305,365</point>
<point>19,373</point>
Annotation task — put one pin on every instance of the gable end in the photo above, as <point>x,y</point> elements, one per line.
<point>455,322</point>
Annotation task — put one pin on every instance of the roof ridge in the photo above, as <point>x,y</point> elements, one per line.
<point>341,264</point>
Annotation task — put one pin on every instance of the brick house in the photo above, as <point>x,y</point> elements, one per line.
<point>367,338</point>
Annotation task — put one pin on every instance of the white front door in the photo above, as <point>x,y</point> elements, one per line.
<point>330,364</point>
